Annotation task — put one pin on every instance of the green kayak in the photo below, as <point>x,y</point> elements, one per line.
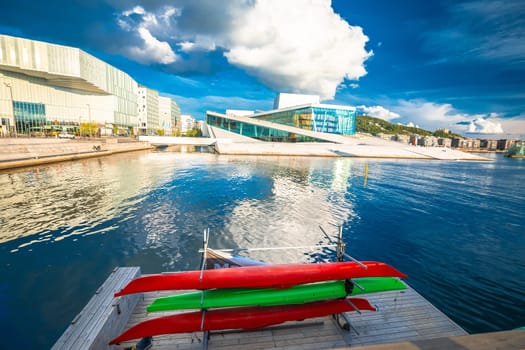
<point>300,294</point>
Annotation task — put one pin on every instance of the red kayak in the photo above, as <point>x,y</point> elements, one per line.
<point>239,318</point>
<point>264,276</point>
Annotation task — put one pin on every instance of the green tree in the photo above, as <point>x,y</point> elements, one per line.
<point>374,126</point>
<point>195,132</point>
<point>88,129</point>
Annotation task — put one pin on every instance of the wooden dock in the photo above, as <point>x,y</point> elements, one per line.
<point>404,319</point>
<point>402,315</point>
<point>103,316</point>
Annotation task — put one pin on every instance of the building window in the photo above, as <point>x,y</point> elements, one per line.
<point>29,117</point>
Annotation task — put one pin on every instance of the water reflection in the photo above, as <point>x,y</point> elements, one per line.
<point>72,198</point>
<point>304,195</point>
<point>163,201</point>
<point>453,227</point>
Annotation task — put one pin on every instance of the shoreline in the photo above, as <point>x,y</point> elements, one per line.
<point>26,152</point>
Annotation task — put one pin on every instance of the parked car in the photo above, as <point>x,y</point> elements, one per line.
<point>66,136</point>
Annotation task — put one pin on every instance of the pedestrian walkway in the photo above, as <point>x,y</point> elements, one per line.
<point>22,152</point>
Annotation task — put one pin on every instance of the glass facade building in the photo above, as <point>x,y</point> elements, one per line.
<point>30,117</point>
<point>318,118</point>
<point>258,132</point>
<point>46,87</point>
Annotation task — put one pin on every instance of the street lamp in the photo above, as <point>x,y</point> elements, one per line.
<point>89,115</point>
<point>8,85</point>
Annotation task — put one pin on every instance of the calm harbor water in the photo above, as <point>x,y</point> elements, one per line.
<point>456,228</point>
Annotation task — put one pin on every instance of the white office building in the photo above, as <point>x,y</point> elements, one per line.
<point>148,111</point>
<point>285,100</point>
<point>169,115</point>
<point>187,123</point>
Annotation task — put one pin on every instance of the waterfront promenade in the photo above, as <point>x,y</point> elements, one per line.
<point>358,146</point>
<point>22,152</point>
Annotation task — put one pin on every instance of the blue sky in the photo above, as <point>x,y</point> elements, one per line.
<point>454,64</point>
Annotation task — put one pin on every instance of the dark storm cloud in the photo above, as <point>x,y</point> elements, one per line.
<point>85,24</point>
<point>198,63</point>
<point>198,17</point>
<point>93,26</point>
<point>194,30</point>
<point>210,16</point>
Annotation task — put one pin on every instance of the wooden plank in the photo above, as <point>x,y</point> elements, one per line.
<point>97,312</point>
<point>103,317</point>
<point>402,315</point>
<point>116,320</point>
<point>508,340</point>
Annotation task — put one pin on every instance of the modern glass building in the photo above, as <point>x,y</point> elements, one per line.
<point>47,88</point>
<point>319,118</point>
<point>306,123</point>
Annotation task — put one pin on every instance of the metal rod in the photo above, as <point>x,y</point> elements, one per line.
<point>356,261</point>
<point>273,248</point>
<point>340,245</point>
<point>353,306</point>
<point>366,175</point>
<point>202,297</point>
<point>205,338</point>
<point>348,321</point>
<point>205,246</point>
<point>358,285</point>
<point>326,234</point>
<point>202,319</point>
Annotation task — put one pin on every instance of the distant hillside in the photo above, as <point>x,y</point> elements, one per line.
<point>376,126</point>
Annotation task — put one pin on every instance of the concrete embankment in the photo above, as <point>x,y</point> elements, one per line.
<point>361,148</point>
<point>24,152</point>
<point>360,145</point>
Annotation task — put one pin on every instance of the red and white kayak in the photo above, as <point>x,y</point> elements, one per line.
<point>239,318</point>
<point>263,276</point>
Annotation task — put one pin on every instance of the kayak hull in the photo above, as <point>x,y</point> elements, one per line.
<point>376,285</point>
<point>264,276</point>
<point>301,294</point>
<point>239,318</point>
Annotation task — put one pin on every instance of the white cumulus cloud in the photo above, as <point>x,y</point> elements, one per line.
<point>148,49</point>
<point>514,126</point>
<point>298,45</point>
<point>412,125</point>
<point>379,112</point>
<point>200,43</point>
<point>484,126</point>
<point>429,115</point>
<point>152,49</point>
